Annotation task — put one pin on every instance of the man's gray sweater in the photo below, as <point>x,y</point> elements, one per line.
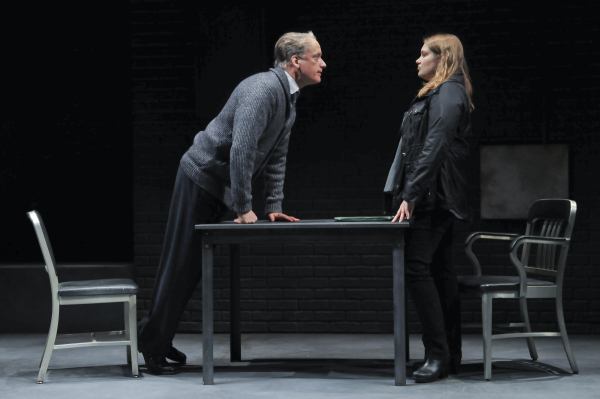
<point>250,134</point>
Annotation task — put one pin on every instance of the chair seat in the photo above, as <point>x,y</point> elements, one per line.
<point>485,284</point>
<point>114,286</point>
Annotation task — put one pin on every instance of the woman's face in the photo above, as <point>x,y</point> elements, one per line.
<point>427,63</point>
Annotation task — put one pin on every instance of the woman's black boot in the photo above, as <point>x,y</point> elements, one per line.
<point>453,366</point>
<point>431,370</point>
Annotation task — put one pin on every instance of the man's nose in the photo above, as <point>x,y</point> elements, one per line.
<point>323,64</point>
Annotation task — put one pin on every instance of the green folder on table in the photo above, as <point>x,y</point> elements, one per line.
<point>363,218</point>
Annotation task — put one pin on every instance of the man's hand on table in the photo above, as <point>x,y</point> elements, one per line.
<point>250,217</point>
<point>280,216</point>
<point>246,218</point>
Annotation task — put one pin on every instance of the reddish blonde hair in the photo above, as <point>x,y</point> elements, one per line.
<point>452,60</point>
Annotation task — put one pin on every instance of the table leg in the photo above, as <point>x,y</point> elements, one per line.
<point>399,310</point>
<point>407,336</point>
<point>207,309</point>
<point>235,323</point>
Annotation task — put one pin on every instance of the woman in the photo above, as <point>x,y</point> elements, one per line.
<point>427,185</point>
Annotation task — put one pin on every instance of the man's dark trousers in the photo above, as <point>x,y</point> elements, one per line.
<point>431,281</point>
<point>180,266</point>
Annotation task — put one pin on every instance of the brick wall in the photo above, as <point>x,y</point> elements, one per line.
<point>533,83</point>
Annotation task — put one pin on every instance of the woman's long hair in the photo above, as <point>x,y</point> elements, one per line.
<point>452,60</point>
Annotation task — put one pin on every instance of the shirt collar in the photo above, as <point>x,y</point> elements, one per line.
<point>293,85</point>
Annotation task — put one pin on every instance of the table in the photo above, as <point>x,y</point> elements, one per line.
<point>305,231</point>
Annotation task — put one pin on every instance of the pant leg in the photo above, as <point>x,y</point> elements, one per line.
<point>422,240</point>
<point>180,266</point>
<point>211,211</point>
<point>445,280</point>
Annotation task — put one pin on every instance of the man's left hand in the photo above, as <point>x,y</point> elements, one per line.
<point>280,216</point>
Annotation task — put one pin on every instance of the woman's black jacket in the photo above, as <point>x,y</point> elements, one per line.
<point>430,161</point>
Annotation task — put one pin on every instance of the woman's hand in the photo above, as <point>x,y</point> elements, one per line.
<point>406,209</point>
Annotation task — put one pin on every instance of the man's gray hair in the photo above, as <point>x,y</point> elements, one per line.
<point>290,44</point>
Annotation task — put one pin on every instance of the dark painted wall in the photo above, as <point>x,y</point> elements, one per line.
<point>534,82</point>
<point>66,131</point>
<point>531,86</point>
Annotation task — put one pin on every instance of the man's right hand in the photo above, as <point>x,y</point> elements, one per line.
<point>246,218</point>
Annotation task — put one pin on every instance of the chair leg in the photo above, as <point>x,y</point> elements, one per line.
<point>49,342</point>
<point>563,333</point>
<point>525,318</point>
<point>486,312</point>
<point>132,332</point>
<point>126,317</point>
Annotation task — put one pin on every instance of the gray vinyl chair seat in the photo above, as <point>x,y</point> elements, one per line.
<point>115,286</point>
<point>485,284</point>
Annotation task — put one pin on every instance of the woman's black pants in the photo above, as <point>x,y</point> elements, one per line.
<point>180,265</point>
<point>431,281</point>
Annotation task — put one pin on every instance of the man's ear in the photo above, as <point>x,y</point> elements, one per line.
<point>295,61</point>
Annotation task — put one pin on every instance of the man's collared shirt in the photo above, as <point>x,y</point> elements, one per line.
<point>293,85</point>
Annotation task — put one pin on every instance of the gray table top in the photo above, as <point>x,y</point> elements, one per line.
<point>302,224</point>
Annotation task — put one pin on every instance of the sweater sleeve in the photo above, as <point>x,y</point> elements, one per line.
<point>274,175</point>
<point>445,110</point>
<point>254,109</point>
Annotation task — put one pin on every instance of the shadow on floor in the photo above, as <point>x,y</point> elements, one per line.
<point>305,368</point>
<point>336,369</point>
<point>513,370</point>
<point>93,372</point>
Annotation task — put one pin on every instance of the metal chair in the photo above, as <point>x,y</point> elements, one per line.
<point>549,226</point>
<point>86,292</point>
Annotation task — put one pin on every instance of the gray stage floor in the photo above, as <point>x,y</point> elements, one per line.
<point>299,366</point>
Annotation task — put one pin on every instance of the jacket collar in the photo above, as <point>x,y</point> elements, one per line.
<point>456,78</point>
<point>281,75</point>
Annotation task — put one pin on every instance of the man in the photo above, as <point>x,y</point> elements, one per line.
<point>249,136</point>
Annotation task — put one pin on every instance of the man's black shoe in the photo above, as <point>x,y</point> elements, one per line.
<point>431,371</point>
<point>176,355</point>
<point>158,365</point>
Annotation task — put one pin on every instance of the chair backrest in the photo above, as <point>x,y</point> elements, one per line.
<point>549,218</point>
<point>42,236</point>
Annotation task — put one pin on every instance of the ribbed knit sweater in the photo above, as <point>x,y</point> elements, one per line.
<point>250,135</point>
